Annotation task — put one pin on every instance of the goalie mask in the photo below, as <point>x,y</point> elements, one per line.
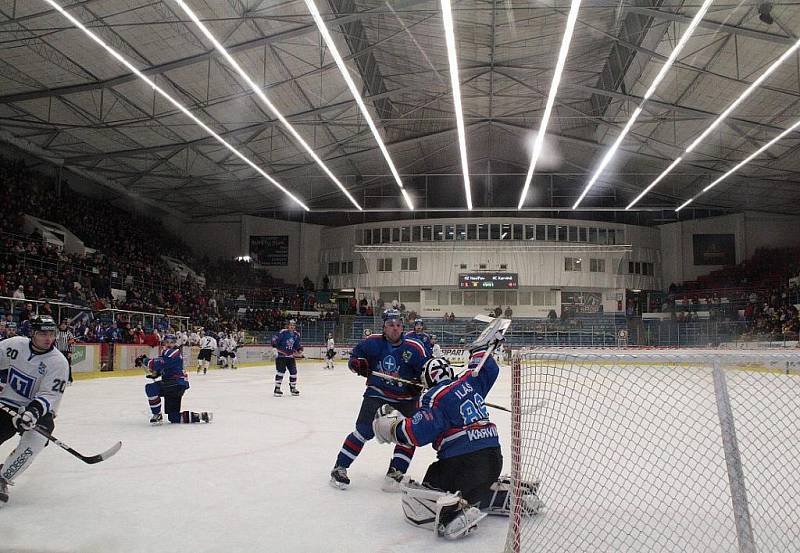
<point>435,371</point>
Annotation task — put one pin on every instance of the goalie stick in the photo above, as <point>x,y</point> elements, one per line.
<point>88,459</point>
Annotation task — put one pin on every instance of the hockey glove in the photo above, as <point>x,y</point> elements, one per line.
<point>28,418</point>
<point>360,366</point>
<point>386,420</point>
<point>496,339</point>
<point>141,361</point>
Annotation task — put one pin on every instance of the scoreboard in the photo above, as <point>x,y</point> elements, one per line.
<point>503,281</point>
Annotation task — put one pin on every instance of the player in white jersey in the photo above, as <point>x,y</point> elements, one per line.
<point>437,349</point>
<point>33,376</point>
<point>330,354</point>
<point>230,346</point>
<point>207,346</point>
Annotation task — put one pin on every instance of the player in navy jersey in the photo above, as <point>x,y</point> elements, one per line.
<point>288,348</point>
<point>172,385</point>
<point>392,354</point>
<point>421,336</point>
<point>453,418</point>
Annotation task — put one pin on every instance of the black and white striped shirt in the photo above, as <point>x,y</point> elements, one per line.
<point>64,339</point>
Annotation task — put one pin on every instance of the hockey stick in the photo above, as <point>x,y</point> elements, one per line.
<point>413,383</point>
<point>88,459</point>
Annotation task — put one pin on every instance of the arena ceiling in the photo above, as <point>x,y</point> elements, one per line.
<point>66,98</point>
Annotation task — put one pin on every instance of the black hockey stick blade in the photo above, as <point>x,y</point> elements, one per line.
<point>88,459</point>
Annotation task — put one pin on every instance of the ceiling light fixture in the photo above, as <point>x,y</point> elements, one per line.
<point>174,102</point>
<point>312,7</point>
<point>452,57</point>
<point>551,97</point>
<point>741,164</point>
<point>638,111</point>
<point>750,89</point>
<point>263,97</point>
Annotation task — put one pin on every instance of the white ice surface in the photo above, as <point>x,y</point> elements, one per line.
<point>254,480</point>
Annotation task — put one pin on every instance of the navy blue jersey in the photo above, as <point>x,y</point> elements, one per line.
<point>287,342</point>
<point>452,415</point>
<point>404,360</point>
<point>423,338</point>
<point>169,366</point>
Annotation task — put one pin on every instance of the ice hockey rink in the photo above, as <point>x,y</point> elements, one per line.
<point>256,479</point>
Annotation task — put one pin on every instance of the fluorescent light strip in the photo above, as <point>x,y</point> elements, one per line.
<point>659,77</point>
<point>551,98</point>
<point>312,7</point>
<point>452,56</point>
<point>742,163</point>
<point>258,92</point>
<point>174,102</point>
<point>750,89</point>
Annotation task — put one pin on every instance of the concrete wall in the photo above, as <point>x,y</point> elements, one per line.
<point>229,237</point>
<point>751,231</point>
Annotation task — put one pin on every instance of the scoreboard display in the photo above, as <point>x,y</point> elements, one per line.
<point>502,281</point>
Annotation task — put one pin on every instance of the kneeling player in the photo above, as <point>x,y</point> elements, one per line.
<point>452,416</point>
<point>173,384</point>
<point>33,375</point>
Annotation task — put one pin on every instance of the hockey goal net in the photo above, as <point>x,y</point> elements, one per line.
<point>657,451</point>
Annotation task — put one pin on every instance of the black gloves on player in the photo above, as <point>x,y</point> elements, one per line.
<point>28,418</point>
<point>141,361</point>
<point>360,366</point>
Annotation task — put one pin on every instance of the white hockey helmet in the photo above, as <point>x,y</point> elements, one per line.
<point>435,371</point>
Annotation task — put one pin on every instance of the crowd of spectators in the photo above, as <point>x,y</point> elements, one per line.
<point>124,254</point>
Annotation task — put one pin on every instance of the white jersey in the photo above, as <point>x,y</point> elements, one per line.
<point>194,339</point>
<point>208,342</point>
<point>330,343</point>
<point>437,351</point>
<point>229,345</point>
<point>32,376</point>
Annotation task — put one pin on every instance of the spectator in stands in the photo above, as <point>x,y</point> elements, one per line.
<point>153,339</point>
<point>19,293</point>
<point>508,312</point>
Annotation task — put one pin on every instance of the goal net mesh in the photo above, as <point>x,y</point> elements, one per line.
<point>661,451</point>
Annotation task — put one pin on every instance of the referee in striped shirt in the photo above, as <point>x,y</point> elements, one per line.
<point>64,340</point>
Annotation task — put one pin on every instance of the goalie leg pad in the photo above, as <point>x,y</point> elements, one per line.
<point>447,514</point>
<point>500,497</point>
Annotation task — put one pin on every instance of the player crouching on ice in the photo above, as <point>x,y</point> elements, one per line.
<point>452,416</point>
<point>33,375</point>
<point>173,384</point>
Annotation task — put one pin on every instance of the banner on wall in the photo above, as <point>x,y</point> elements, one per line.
<point>270,250</point>
<point>85,358</point>
<point>714,249</point>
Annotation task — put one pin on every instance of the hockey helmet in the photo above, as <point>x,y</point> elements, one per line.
<point>43,323</point>
<point>392,315</point>
<point>419,322</point>
<point>436,370</point>
<point>169,338</point>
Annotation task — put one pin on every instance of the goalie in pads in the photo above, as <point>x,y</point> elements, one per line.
<point>463,486</point>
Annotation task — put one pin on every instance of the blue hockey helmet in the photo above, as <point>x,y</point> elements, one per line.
<point>392,315</point>
<point>419,322</point>
<point>169,338</point>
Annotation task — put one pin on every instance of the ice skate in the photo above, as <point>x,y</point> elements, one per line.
<point>277,392</point>
<point>294,391</point>
<point>339,479</point>
<point>206,417</point>
<point>158,418</point>
<point>392,481</point>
